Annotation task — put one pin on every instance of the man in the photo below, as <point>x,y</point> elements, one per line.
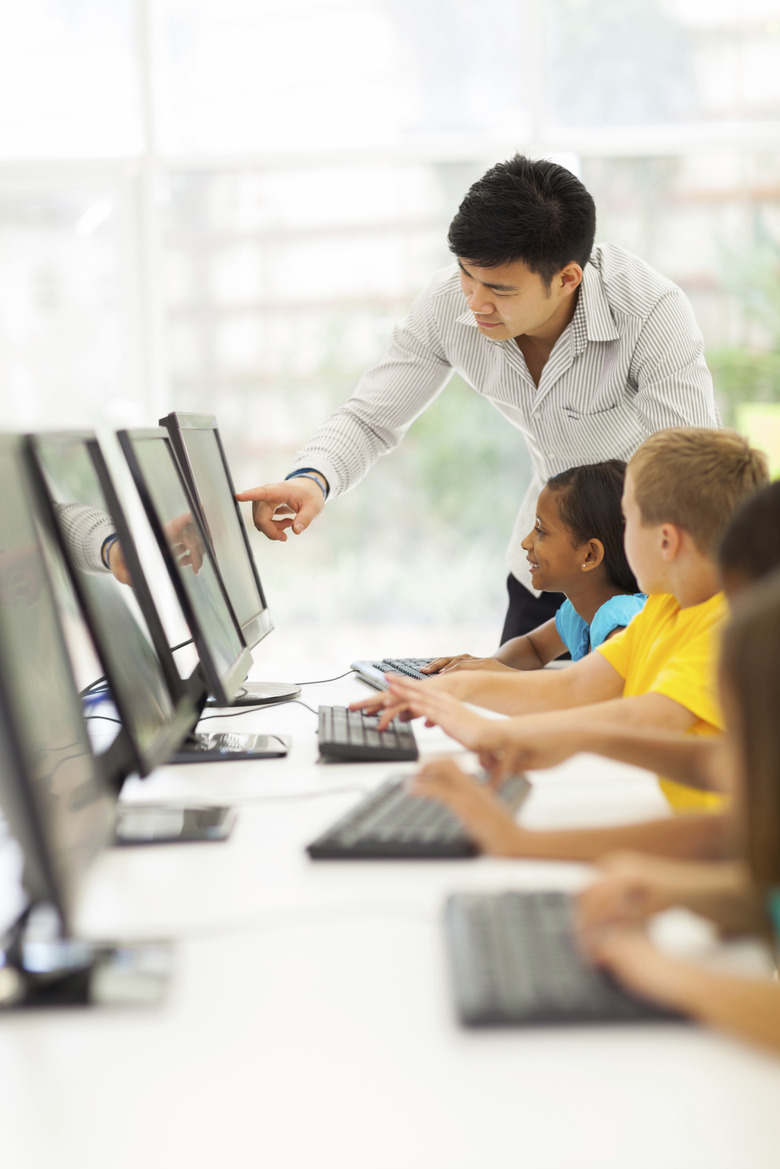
<point>585,350</point>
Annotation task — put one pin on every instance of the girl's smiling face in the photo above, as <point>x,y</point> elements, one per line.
<point>554,562</point>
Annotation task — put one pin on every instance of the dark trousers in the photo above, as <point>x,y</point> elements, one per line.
<point>526,611</point>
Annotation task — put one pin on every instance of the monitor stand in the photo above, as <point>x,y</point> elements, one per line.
<point>262,694</point>
<point>171,824</point>
<point>221,746</point>
<point>41,968</point>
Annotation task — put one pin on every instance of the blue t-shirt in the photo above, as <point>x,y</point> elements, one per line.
<point>580,638</point>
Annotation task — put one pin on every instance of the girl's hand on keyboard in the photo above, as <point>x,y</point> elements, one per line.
<point>489,822</point>
<point>462,662</point>
<point>628,953</point>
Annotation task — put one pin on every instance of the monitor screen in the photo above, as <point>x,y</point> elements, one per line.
<point>198,446</point>
<point>223,653</point>
<point>51,786</point>
<point>155,710</point>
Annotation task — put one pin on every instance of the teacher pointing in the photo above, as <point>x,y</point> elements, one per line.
<point>585,350</point>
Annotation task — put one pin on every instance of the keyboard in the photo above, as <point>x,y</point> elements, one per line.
<point>391,823</point>
<point>515,959</point>
<point>351,735</point>
<point>374,672</point>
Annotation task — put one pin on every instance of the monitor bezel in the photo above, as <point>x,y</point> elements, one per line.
<point>223,689</point>
<point>170,736</point>
<point>43,879</point>
<point>258,626</point>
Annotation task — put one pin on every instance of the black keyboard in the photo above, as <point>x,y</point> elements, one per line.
<point>351,735</point>
<point>515,960</point>
<point>392,823</point>
<point>374,672</point>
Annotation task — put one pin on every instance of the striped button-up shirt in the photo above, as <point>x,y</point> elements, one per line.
<point>630,362</point>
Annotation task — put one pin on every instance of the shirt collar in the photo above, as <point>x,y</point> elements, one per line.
<point>597,323</point>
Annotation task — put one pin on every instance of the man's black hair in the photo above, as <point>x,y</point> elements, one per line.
<point>589,505</point>
<point>534,211</point>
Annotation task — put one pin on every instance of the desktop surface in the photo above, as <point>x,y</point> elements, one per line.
<point>310,1018</point>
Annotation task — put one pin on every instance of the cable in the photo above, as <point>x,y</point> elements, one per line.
<point>321,681</point>
<point>233,713</point>
<point>301,703</point>
<point>181,645</point>
<point>103,718</point>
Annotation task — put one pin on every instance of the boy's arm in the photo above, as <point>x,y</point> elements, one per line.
<point>550,737</point>
<point>496,832</point>
<point>592,679</point>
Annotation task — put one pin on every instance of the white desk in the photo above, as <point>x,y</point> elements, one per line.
<point>309,1023</point>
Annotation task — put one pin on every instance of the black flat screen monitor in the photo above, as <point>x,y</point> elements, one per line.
<point>156,712</point>
<point>53,791</point>
<point>198,446</point>
<point>181,537</point>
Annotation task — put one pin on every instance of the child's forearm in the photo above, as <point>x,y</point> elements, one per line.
<point>685,837</point>
<point>519,653</point>
<point>685,758</point>
<point>744,1006</point>
<point>725,894</point>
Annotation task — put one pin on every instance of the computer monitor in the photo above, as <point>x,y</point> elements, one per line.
<point>157,709</point>
<point>224,656</point>
<point>52,788</point>
<point>201,454</point>
<point>156,712</point>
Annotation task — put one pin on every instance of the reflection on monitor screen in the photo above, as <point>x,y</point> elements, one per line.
<point>225,658</point>
<point>51,787</point>
<point>198,446</point>
<point>152,706</point>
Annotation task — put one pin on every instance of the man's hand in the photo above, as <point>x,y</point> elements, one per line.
<point>118,565</point>
<point>489,823</point>
<point>184,538</point>
<point>301,498</point>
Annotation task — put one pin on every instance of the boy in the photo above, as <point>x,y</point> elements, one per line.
<point>681,488</point>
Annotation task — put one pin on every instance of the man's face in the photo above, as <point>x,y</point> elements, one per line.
<point>509,301</point>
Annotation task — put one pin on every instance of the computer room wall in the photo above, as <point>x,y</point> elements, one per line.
<point>224,205</point>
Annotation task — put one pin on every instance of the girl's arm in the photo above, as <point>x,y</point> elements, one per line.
<point>633,887</point>
<point>529,652</point>
<point>747,1007</point>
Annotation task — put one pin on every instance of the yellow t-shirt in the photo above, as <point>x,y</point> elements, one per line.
<point>673,651</point>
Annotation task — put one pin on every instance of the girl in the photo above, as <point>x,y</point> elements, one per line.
<point>736,896</point>
<point>576,548</point>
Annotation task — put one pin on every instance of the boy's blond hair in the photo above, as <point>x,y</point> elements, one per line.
<point>694,478</point>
